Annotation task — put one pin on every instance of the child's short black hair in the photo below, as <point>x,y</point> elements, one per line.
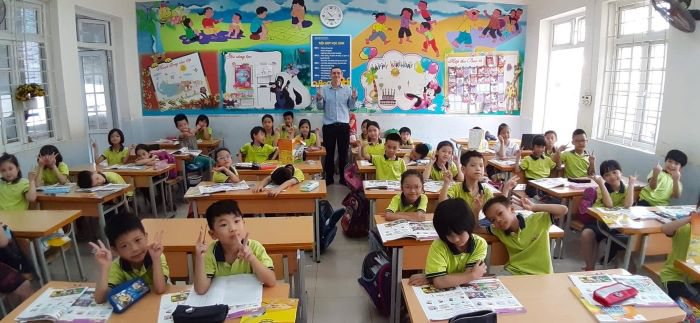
<point>260,10</point>
<point>378,14</point>
<point>141,147</point>
<point>282,174</point>
<point>551,132</point>
<point>405,129</point>
<point>464,159</point>
<point>453,216</point>
<point>51,150</point>
<point>503,200</point>
<point>609,166</point>
<point>179,117</point>
<point>578,132</point>
<point>202,117</point>
<point>411,172</point>
<point>220,208</point>
<point>255,131</point>
<point>121,224</point>
<point>539,141</point>
<point>239,15</point>
<point>218,150</point>
<point>426,25</point>
<point>12,159</point>
<point>288,113</point>
<point>422,149</point>
<point>393,136</point>
<point>187,22</point>
<point>366,121</point>
<point>85,179</point>
<point>677,156</point>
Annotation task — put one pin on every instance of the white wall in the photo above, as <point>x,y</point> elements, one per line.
<point>679,119</point>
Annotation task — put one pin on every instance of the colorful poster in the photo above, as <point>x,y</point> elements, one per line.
<point>180,79</point>
<point>395,57</point>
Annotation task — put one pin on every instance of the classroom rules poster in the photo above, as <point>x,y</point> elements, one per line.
<point>270,56</point>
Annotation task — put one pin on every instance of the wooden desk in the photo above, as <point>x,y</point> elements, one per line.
<point>206,146</point>
<point>91,204</point>
<point>316,154</point>
<point>309,168</point>
<point>690,269</point>
<point>546,298</point>
<point>36,224</point>
<point>403,152</point>
<point>148,177</point>
<point>146,309</point>
<point>292,200</point>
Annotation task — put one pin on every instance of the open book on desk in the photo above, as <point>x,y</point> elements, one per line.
<point>186,151</point>
<point>548,182</point>
<point>239,292</point>
<point>201,190</point>
<point>66,305</point>
<point>382,185</point>
<point>402,228</point>
<point>104,188</point>
<point>125,167</point>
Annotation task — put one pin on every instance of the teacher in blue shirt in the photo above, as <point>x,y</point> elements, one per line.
<point>336,101</point>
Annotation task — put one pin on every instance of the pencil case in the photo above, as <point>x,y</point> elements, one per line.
<point>193,314</point>
<point>126,294</point>
<point>613,294</point>
<point>309,186</point>
<point>580,180</point>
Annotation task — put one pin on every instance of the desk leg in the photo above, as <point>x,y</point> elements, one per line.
<point>317,232</point>
<point>567,226</point>
<point>162,196</point>
<point>643,251</point>
<point>136,203</point>
<point>102,223</point>
<point>152,193</point>
<point>628,251</point>
<point>396,262</point>
<point>42,260</point>
<point>35,262</point>
<point>372,212</point>
<point>77,251</point>
<point>300,285</point>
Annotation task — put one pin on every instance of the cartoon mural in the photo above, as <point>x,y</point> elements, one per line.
<point>245,56</point>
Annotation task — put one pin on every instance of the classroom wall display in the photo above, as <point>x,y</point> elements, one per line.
<point>245,56</point>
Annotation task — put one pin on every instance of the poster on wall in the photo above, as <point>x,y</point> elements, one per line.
<point>328,51</point>
<point>256,56</point>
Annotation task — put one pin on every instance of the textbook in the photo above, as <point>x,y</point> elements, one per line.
<point>201,190</point>
<point>550,182</point>
<point>274,310</point>
<point>432,186</point>
<point>108,187</point>
<point>480,294</point>
<point>670,213</point>
<point>503,162</point>
<point>615,217</point>
<point>615,313</point>
<point>55,188</point>
<point>247,295</point>
<point>186,151</point>
<point>382,185</point>
<point>309,186</point>
<point>365,163</point>
<point>125,167</point>
<point>402,228</point>
<point>649,294</point>
<point>419,162</point>
<point>66,305</point>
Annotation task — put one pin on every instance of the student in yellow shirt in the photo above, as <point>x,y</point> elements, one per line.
<point>271,136</point>
<point>50,167</point>
<point>535,166</point>
<point>443,164</point>
<point>412,203</point>
<point>550,138</point>
<point>525,239</point>
<point>15,192</point>
<point>287,130</point>
<point>144,156</point>
<point>89,179</point>
<point>283,176</point>
<point>309,137</point>
<point>471,190</point>
<point>373,145</point>
<point>664,182</point>
<point>257,151</point>
<point>458,256</point>
<point>203,131</point>
<point>419,151</point>
<point>406,142</point>
<point>137,257</point>
<point>224,171</point>
<point>611,192</point>
<point>679,284</point>
<point>117,153</point>
<point>231,252</point>
<point>577,162</point>
<point>388,165</point>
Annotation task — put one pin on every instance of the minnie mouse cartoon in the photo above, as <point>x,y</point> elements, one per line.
<point>430,91</point>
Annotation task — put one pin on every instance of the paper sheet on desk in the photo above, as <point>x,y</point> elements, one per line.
<point>237,291</point>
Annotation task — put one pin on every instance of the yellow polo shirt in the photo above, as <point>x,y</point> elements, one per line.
<point>221,177</point>
<point>396,206</point>
<point>215,262</point>
<point>310,141</point>
<point>48,177</point>
<point>528,249</point>
<point>298,173</point>
<point>456,191</point>
<point>441,261</point>
<point>374,149</point>
<point>257,154</point>
<point>536,169</point>
<point>575,165</point>
<point>618,197</point>
<point>664,189</point>
<point>388,169</point>
<point>114,178</point>
<point>12,195</point>
<point>679,251</point>
<point>272,139</point>
<point>120,272</point>
<point>199,136</point>
<point>436,175</point>
<point>115,157</point>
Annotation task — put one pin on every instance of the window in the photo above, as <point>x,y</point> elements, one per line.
<point>565,68</point>
<point>634,75</point>
<point>24,59</point>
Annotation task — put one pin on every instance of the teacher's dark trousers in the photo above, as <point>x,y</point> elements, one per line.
<point>336,134</point>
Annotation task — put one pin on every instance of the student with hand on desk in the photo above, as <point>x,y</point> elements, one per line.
<point>284,176</point>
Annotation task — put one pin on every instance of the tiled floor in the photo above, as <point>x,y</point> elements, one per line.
<point>334,294</point>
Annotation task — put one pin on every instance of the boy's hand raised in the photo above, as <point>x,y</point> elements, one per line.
<point>676,175</point>
<point>102,254</point>
<point>201,244</point>
<point>657,169</point>
<point>155,248</point>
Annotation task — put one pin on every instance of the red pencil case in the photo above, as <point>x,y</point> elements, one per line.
<point>613,294</point>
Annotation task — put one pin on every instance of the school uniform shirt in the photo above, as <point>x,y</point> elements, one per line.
<point>388,169</point>
<point>221,177</point>
<point>575,165</point>
<point>200,136</point>
<point>679,251</point>
<point>49,177</point>
<point>537,168</point>
<point>618,197</point>
<point>283,131</point>
<point>12,195</point>
<point>664,189</point>
<point>374,149</point>
<point>311,141</point>
<point>528,249</point>
<point>257,154</point>
<point>441,261</point>
<point>298,173</point>
<point>509,150</point>
<point>215,262</point>
<point>114,178</point>
<point>396,205</point>
<point>457,191</point>
<point>272,139</point>
<point>436,174</point>
<point>115,157</point>
<point>120,271</point>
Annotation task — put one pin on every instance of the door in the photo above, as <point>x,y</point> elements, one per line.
<point>95,78</point>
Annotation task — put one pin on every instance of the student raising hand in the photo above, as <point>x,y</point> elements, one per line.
<point>103,255</point>
<point>155,248</point>
<point>244,251</point>
<point>510,185</point>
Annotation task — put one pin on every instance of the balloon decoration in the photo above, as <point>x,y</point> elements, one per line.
<point>368,53</point>
<point>433,68</point>
<point>395,72</point>
<point>419,68</point>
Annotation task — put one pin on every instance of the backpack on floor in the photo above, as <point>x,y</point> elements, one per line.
<point>589,197</point>
<point>355,221</point>
<point>328,220</point>
<point>376,280</point>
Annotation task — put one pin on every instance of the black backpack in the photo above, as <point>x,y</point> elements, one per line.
<point>355,221</point>
<point>327,222</point>
<point>376,280</point>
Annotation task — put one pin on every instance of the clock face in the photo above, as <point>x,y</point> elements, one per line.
<point>331,16</point>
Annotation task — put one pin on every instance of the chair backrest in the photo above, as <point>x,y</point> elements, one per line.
<point>279,266</point>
